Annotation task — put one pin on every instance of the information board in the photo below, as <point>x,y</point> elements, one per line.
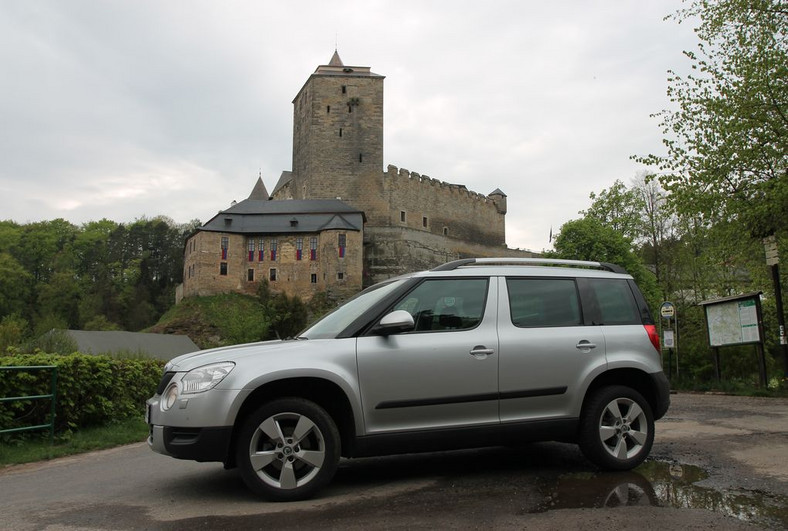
<point>733,323</point>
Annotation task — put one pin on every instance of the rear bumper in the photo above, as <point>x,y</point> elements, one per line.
<point>661,394</point>
<point>196,444</point>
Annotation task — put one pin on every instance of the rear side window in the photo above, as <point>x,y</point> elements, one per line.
<point>615,300</point>
<point>543,302</point>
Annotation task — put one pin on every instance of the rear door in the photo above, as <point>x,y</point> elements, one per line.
<point>444,373</point>
<point>547,354</point>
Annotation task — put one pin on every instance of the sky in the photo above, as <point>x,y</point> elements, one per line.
<point>131,109</point>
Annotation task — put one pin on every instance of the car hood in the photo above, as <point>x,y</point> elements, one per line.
<point>235,353</point>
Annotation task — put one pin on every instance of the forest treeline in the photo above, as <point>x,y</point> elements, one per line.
<point>101,275</point>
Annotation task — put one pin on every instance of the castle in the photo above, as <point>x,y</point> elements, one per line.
<point>337,222</point>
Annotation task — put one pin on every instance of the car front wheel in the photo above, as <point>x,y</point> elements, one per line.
<point>616,428</point>
<point>288,449</point>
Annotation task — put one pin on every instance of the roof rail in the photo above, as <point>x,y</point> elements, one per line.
<point>450,266</point>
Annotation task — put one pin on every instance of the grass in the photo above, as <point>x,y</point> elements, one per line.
<point>85,440</point>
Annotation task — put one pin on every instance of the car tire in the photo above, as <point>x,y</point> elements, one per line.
<point>288,449</point>
<point>616,428</point>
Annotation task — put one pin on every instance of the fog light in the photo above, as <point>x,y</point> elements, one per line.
<point>169,397</point>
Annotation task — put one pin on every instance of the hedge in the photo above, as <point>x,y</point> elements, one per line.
<point>91,390</point>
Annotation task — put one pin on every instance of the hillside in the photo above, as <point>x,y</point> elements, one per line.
<point>217,320</point>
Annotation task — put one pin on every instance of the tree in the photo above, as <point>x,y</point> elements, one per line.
<point>286,315</point>
<point>14,286</point>
<point>13,330</point>
<point>590,239</point>
<point>619,208</point>
<point>657,224</point>
<point>727,140</point>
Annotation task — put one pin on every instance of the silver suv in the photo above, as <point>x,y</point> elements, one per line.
<point>477,352</point>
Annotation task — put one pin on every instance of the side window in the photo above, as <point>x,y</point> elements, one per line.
<point>446,304</point>
<point>616,302</point>
<point>542,302</point>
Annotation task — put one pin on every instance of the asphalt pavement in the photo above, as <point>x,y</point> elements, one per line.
<point>718,461</point>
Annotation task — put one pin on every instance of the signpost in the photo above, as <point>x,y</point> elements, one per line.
<point>773,261</point>
<point>668,311</point>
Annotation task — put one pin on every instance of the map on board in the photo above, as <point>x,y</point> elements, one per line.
<point>733,323</point>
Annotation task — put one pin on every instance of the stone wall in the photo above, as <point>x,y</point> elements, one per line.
<point>442,208</point>
<point>391,251</point>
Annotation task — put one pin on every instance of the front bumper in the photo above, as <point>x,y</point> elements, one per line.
<point>196,444</point>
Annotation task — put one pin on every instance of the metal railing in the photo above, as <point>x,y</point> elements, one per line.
<point>52,396</point>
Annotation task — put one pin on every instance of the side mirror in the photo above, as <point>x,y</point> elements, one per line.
<point>395,322</point>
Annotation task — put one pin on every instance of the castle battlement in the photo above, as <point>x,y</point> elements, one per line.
<point>393,172</point>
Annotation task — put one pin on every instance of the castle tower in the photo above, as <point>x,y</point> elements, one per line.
<point>338,136</point>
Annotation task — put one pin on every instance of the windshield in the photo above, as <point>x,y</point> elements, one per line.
<point>335,322</point>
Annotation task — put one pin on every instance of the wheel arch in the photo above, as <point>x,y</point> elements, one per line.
<point>324,393</point>
<point>635,379</point>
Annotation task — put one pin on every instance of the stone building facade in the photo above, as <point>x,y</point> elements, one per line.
<point>299,247</point>
<point>409,221</point>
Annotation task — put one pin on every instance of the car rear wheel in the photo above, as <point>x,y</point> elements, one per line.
<point>616,428</point>
<point>288,449</point>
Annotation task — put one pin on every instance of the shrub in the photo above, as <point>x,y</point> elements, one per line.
<point>91,390</point>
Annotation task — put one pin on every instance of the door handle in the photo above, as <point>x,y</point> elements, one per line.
<point>585,346</point>
<point>481,352</point>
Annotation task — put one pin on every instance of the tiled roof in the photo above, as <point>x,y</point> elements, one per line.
<point>253,216</point>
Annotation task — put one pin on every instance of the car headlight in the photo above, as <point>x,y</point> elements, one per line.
<point>204,378</point>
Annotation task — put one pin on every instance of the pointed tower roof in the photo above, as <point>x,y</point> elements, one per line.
<point>336,67</point>
<point>259,193</point>
<point>335,60</point>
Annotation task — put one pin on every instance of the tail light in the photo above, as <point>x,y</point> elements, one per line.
<point>653,336</point>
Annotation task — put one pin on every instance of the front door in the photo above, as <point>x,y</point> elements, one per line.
<point>444,373</point>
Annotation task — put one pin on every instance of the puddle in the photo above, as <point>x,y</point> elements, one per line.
<point>660,484</point>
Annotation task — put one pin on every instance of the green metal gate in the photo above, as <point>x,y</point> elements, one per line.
<point>52,397</point>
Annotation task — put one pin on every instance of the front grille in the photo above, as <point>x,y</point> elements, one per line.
<point>164,381</point>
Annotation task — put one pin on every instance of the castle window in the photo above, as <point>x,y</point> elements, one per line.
<point>328,109</point>
<point>344,89</point>
<point>250,275</point>
<point>424,222</point>
<point>340,276</point>
<point>313,248</point>
<point>261,250</point>
<point>225,245</point>
<point>299,248</point>
<point>360,157</point>
<point>349,108</point>
<point>223,268</point>
<point>402,216</point>
<point>273,250</point>
<point>342,243</point>
<point>340,132</point>
<point>313,278</point>
<point>272,275</point>
<point>445,231</point>
<point>250,248</point>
